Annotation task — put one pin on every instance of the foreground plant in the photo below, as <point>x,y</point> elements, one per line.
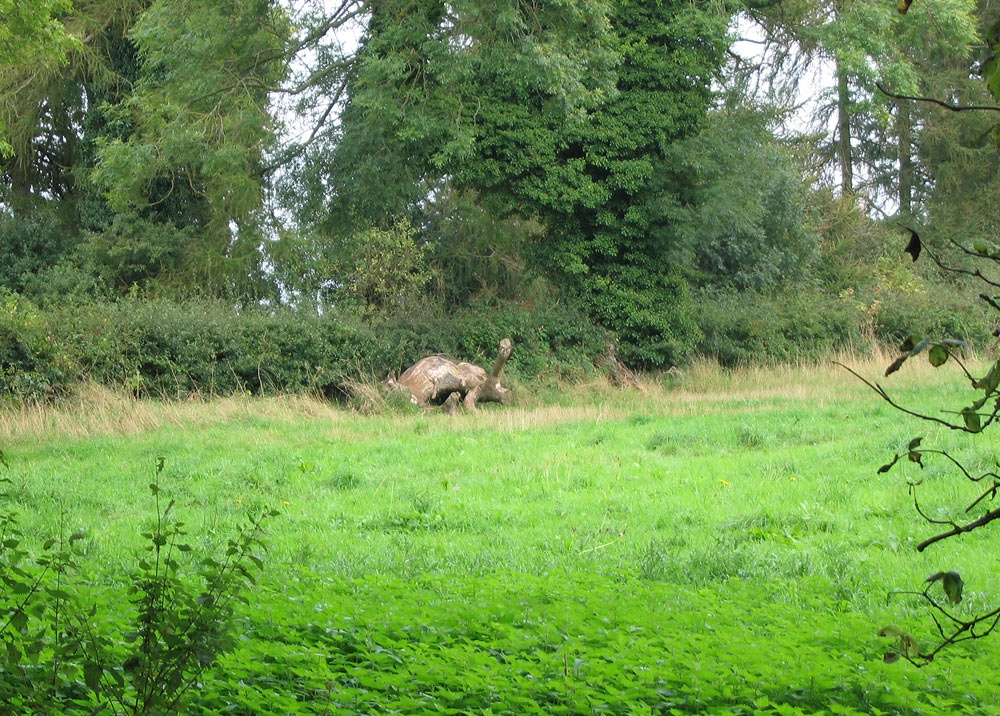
<point>981,412</point>
<point>178,624</point>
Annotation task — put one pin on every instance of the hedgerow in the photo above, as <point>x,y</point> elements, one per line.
<point>175,349</point>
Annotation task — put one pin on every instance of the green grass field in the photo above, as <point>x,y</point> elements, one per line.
<point>719,545</point>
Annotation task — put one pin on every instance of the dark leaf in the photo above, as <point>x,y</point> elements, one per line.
<point>953,584</point>
<point>885,468</point>
<point>896,364</point>
<point>903,6</point>
<point>914,444</point>
<point>913,247</point>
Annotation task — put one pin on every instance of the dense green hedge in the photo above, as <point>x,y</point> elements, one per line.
<point>176,349</point>
<point>172,349</point>
<point>742,328</point>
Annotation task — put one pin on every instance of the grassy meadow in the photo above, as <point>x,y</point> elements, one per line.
<point>717,543</point>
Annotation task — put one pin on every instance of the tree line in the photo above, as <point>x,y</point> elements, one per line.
<point>385,160</point>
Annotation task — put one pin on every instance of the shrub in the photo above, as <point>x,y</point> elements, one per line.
<point>33,365</point>
<point>743,328</point>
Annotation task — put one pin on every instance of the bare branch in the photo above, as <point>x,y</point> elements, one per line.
<point>887,398</point>
<point>940,103</point>
<point>959,529</point>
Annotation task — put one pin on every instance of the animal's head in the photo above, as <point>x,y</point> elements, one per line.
<point>493,391</point>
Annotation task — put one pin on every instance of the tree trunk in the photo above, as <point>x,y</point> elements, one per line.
<point>905,149</point>
<point>845,154</point>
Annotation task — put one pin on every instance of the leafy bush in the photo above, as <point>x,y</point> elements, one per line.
<point>746,328</point>
<point>170,349</point>
<point>930,312</point>
<point>33,365</point>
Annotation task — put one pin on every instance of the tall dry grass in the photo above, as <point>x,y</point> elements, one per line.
<point>95,410</point>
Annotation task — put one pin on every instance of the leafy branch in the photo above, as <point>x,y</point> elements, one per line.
<point>951,628</point>
<point>975,417</point>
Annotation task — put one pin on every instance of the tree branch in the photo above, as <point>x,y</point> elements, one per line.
<point>960,529</point>
<point>940,103</point>
<point>885,396</point>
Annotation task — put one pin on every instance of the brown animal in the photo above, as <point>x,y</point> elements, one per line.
<point>442,380</point>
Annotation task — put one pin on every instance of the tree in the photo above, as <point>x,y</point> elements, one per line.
<point>149,142</point>
<point>193,163</point>
<point>748,221</point>
<point>866,46</point>
<point>31,35</point>
<point>54,113</point>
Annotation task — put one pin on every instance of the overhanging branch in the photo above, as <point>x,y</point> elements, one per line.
<point>940,103</point>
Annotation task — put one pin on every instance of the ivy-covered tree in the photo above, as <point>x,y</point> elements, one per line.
<point>600,182</point>
<point>558,114</point>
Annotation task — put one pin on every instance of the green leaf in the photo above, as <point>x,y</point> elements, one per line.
<point>92,676</point>
<point>953,584</point>
<point>938,355</point>
<point>973,423</point>
<point>891,631</point>
<point>990,381</point>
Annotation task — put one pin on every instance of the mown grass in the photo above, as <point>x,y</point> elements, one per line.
<point>714,543</point>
